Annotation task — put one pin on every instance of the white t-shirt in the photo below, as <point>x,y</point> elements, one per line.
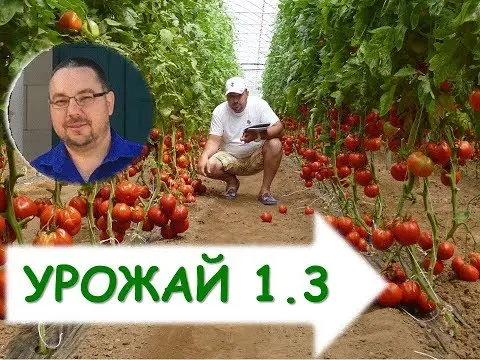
<point>230,125</point>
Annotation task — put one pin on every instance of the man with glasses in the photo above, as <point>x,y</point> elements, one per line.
<point>81,103</point>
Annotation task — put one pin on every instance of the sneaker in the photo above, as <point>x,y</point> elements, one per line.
<point>267,199</point>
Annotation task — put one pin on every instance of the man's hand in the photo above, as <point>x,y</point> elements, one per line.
<point>203,166</point>
<point>249,136</point>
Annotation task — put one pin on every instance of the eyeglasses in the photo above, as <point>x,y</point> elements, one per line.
<point>81,99</point>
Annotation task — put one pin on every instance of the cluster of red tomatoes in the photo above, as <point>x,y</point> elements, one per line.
<point>354,234</point>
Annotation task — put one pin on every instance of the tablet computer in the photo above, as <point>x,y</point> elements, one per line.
<point>259,127</point>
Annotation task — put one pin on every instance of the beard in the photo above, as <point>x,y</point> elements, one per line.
<point>79,133</point>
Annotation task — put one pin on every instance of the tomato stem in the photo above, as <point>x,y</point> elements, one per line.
<point>433,224</point>
<point>91,218</point>
<point>10,187</point>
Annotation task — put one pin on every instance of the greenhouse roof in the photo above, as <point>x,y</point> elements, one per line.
<point>253,26</point>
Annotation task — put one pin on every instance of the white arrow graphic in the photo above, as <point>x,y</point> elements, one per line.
<point>327,284</point>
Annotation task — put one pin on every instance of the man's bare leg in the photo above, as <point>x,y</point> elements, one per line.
<point>272,156</point>
<point>216,172</point>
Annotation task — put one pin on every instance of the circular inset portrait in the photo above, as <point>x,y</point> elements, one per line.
<point>80,113</point>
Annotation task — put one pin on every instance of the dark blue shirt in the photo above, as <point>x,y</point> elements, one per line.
<point>58,164</point>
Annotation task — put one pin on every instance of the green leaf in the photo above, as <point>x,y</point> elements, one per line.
<point>130,18</point>
<point>112,22</point>
<point>470,12</point>
<point>8,9</point>
<point>463,216</point>
<point>435,6</point>
<point>415,16</point>
<point>166,36</point>
<point>447,61</point>
<point>425,93</point>
<point>387,99</point>
<point>166,111</point>
<point>405,72</point>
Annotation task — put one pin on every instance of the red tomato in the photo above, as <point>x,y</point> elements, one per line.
<point>308,210</point>
<point>138,213</point>
<point>474,259</point>
<point>147,225</point>
<point>357,160</point>
<point>121,212</point>
<point>180,213</point>
<point>372,144</point>
<point>382,239</point>
<point>143,191</point>
<point>437,269</point>
<point>79,203</point>
<point>468,272</point>
<point>182,161</point>
<point>266,216</point>
<point>344,224</point>
<point>399,171</point>
<point>425,304</point>
<point>445,250</point>
<point>70,21</point>
<point>457,263</point>
<point>441,153</point>
<point>155,134</point>
<point>425,240</point>
<point>24,207</point>
<point>474,99</point>
<point>126,192</point>
<point>411,292</point>
<point>167,232</point>
<point>352,142</point>
<point>465,150</point>
<point>445,179</point>
<point>406,233</point>
<point>101,223</point>
<point>341,160</point>
<point>42,203</point>
<point>353,237</point>
<point>420,164</point>
<point>363,177</point>
<point>59,237</point>
<point>282,209</point>
<point>391,296</point>
<point>445,86</point>
<point>179,227</point>
<point>167,203</point>
<point>371,190</point>
<point>362,245</point>
<point>156,215</point>
<point>121,226</point>
<point>69,219</point>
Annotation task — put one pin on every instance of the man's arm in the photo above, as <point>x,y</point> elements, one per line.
<point>274,131</point>
<point>211,147</point>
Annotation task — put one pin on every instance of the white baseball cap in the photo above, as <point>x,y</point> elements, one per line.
<point>235,85</point>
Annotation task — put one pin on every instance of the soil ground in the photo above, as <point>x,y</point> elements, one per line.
<point>377,333</point>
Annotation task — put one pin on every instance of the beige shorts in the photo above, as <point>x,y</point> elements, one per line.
<point>250,165</point>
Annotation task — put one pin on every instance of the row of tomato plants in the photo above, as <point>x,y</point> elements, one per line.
<point>172,44</point>
<point>339,156</point>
